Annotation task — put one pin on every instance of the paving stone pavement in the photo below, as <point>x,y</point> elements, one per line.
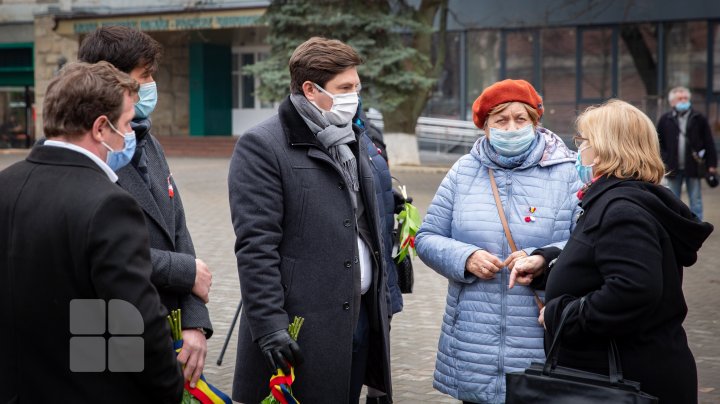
<point>415,331</point>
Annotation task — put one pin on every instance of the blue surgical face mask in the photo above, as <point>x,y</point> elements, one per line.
<point>585,172</point>
<point>147,100</point>
<point>119,159</point>
<point>682,106</point>
<point>511,143</point>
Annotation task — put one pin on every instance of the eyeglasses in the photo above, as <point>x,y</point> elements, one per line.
<point>579,140</point>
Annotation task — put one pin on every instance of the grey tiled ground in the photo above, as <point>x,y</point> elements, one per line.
<point>202,183</point>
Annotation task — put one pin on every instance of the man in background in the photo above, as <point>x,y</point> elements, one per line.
<point>685,139</point>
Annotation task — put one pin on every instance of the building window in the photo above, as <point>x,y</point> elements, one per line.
<point>558,83</point>
<point>243,85</point>
<point>483,59</point>
<point>445,99</point>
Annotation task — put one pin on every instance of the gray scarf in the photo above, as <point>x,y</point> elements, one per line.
<point>334,138</point>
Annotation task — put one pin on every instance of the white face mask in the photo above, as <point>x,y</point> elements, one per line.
<point>343,108</point>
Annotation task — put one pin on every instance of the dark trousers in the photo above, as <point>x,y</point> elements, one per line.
<point>360,354</point>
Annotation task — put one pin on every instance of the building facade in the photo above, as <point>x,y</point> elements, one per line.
<point>575,52</point>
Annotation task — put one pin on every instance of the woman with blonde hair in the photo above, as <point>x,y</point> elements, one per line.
<point>621,271</point>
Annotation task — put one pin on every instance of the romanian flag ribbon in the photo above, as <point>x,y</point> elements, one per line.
<point>203,392</point>
<point>280,383</point>
<point>280,387</point>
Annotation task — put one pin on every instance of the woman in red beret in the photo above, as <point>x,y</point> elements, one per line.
<point>489,327</point>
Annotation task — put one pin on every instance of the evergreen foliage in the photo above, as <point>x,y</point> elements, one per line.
<point>384,32</point>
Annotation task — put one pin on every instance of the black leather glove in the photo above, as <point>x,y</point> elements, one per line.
<point>280,351</point>
<point>399,201</point>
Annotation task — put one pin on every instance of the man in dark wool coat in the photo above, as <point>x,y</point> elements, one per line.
<point>308,240</point>
<point>75,258</point>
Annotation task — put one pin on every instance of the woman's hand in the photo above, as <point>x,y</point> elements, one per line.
<point>541,318</point>
<point>525,269</point>
<point>483,264</point>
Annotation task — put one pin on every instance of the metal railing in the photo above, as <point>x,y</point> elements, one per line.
<point>442,135</point>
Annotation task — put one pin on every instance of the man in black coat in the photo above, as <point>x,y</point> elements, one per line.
<point>685,137</point>
<point>75,257</point>
<point>303,206</point>
<point>182,280</point>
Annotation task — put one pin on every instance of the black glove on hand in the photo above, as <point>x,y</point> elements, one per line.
<point>399,201</point>
<point>280,351</point>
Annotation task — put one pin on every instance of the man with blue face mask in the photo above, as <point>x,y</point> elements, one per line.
<point>73,247</point>
<point>182,279</point>
<point>687,147</point>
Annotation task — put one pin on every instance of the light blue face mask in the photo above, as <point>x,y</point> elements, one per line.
<point>682,106</point>
<point>584,172</point>
<point>511,143</point>
<point>119,159</point>
<point>148,99</point>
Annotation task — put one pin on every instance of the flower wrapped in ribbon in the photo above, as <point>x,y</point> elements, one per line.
<point>409,220</point>
<point>280,383</point>
<point>203,392</point>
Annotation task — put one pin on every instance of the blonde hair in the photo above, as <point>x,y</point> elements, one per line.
<point>624,140</point>
<point>534,116</point>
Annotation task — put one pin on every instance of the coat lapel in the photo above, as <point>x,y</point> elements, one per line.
<point>130,180</point>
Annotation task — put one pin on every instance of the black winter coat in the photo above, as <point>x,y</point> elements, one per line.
<point>297,255</point>
<point>69,233</point>
<point>699,136</point>
<point>626,256</point>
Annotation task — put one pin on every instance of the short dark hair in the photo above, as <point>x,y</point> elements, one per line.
<point>319,60</point>
<point>123,47</point>
<point>81,93</point>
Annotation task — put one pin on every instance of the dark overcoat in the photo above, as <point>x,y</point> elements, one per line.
<point>699,136</point>
<point>626,257</point>
<point>171,247</point>
<point>69,233</point>
<point>297,255</point>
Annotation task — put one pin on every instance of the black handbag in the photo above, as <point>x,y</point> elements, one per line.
<point>549,383</point>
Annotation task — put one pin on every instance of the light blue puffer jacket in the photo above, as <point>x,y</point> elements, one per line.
<point>487,329</point>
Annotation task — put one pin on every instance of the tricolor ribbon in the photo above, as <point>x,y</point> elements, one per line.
<point>204,392</point>
<point>280,386</point>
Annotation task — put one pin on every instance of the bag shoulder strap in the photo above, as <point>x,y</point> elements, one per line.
<point>501,211</point>
<point>504,222</point>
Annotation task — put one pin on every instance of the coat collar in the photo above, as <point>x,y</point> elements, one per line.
<point>295,128</point>
<point>62,157</point>
<point>129,179</point>
<point>599,187</point>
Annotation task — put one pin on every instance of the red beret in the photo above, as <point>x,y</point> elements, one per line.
<point>502,92</point>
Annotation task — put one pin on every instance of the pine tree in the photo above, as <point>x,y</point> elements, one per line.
<point>393,38</point>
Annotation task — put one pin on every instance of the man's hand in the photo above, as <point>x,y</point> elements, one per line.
<point>525,269</point>
<point>203,281</point>
<point>483,264</point>
<point>399,201</point>
<point>712,170</point>
<point>541,318</point>
<point>192,355</point>
<point>280,351</point>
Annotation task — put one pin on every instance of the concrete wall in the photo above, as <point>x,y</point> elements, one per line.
<point>49,47</point>
<point>171,116</point>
